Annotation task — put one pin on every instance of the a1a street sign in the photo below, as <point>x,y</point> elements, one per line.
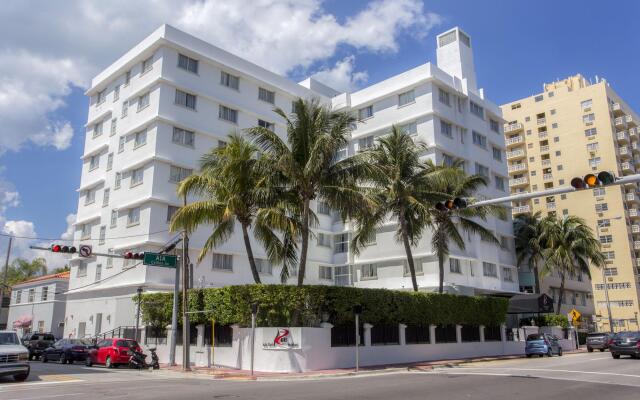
<point>159,260</point>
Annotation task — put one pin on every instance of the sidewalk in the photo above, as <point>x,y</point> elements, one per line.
<point>237,374</point>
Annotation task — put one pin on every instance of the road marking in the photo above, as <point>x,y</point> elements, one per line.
<point>47,397</point>
<point>599,358</point>
<point>60,378</point>
<point>17,386</point>
<point>561,370</point>
<point>560,378</point>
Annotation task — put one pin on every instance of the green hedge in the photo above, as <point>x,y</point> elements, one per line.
<point>286,305</point>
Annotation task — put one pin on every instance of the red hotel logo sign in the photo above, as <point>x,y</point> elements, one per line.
<point>283,339</point>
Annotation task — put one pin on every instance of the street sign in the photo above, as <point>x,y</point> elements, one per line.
<point>85,250</point>
<point>575,315</point>
<point>159,260</point>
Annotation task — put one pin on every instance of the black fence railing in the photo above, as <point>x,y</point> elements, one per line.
<point>385,334</point>
<point>193,335</point>
<point>417,334</point>
<point>492,333</point>
<point>222,335</point>
<point>124,332</point>
<point>446,334</point>
<point>154,336</point>
<point>470,333</point>
<point>345,335</point>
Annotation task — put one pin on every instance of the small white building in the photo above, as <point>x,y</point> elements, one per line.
<point>38,305</point>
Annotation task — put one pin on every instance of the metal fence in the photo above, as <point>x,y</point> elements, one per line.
<point>417,334</point>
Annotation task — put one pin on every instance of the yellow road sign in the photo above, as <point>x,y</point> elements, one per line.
<point>575,315</point>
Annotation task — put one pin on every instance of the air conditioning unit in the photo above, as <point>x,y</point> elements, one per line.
<point>592,153</point>
<point>610,279</point>
<point>588,123</point>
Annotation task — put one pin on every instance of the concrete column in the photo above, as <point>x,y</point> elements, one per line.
<point>200,337</point>
<point>402,334</point>
<point>367,333</point>
<point>168,327</point>
<point>481,333</point>
<point>459,333</point>
<point>503,332</point>
<point>432,334</point>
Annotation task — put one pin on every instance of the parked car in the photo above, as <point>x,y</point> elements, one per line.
<point>112,352</point>
<point>14,357</point>
<point>67,351</point>
<point>625,343</point>
<point>542,344</point>
<point>598,340</point>
<point>37,343</point>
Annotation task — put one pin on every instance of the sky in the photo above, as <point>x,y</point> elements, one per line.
<point>50,50</point>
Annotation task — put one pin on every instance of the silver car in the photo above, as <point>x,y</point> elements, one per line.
<point>14,357</point>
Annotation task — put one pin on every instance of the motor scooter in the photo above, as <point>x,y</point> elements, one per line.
<point>137,359</point>
<point>155,362</point>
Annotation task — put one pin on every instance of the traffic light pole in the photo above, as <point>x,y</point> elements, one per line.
<point>186,363</point>
<point>5,275</point>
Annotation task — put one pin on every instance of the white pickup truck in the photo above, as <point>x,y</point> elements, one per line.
<point>14,357</point>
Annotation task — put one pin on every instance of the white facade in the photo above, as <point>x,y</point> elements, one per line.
<point>136,146</point>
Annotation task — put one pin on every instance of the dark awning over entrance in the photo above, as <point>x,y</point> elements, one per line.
<point>530,304</point>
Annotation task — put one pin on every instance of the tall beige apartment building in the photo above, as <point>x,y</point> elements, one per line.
<point>575,127</point>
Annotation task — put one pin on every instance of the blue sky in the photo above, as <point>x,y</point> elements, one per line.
<point>518,46</point>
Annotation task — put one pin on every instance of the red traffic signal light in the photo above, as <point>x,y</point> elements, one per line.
<point>590,180</point>
<point>133,256</point>
<point>128,255</point>
<point>451,204</point>
<point>56,248</point>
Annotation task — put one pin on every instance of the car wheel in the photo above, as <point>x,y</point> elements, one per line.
<point>589,349</point>
<point>601,350</point>
<point>560,352</point>
<point>614,355</point>
<point>43,358</point>
<point>549,353</point>
<point>529,355</point>
<point>63,359</point>
<point>88,362</point>
<point>107,363</point>
<point>21,377</point>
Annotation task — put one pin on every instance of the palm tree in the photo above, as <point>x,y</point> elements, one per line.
<point>570,247</point>
<point>232,188</point>
<point>306,168</point>
<point>21,270</point>
<point>527,229</point>
<point>398,185</point>
<point>453,182</point>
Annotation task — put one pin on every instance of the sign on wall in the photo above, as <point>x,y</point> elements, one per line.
<point>281,338</point>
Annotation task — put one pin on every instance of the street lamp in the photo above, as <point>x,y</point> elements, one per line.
<point>604,279</point>
<point>139,291</point>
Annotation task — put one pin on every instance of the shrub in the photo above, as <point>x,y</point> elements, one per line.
<point>553,320</point>
<point>284,305</point>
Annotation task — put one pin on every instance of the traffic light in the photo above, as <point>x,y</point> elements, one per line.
<point>590,180</point>
<point>451,204</point>
<point>57,248</point>
<point>133,256</point>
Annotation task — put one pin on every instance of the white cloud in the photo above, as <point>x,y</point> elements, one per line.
<point>68,233</point>
<point>342,76</point>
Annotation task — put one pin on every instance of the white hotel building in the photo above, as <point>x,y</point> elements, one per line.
<point>171,98</point>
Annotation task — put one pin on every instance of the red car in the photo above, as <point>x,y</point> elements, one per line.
<point>112,352</point>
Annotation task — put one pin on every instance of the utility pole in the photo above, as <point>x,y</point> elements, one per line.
<point>174,318</point>
<point>139,291</point>
<point>185,299</point>
<point>604,280</point>
<point>6,271</point>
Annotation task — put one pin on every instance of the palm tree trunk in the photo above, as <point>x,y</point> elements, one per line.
<point>252,261</point>
<point>537,279</point>
<point>440,272</point>
<point>561,293</point>
<point>407,249</point>
<point>305,243</point>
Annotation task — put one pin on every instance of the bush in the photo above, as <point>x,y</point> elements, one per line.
<point>553,320</point>
<point>286,305</point>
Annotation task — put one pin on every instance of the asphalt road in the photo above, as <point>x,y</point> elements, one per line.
<point>584,376</point>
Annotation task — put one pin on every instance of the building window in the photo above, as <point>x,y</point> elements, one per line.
<point>114,218</point>
<point>114,127</point>
<point>368,271</point>
<point>121,142</point>
<point>82,270</point>
<point>406,98</point>
<point>606,239</point>
<point>588,118</point>
<point>45,293</point>
<point>109,262</point>
<point>494,125</point>
<point>602,207</point>
<point>230,81</point>
<point>98,272</point>
<point>341,243</point>
<point>499,183</point>
<point>599,191</point>
<point>133,216</point>
<point>342,153</point>
<point>140,139</point>
<point>611,271</point>
<point>98,129</point>
<point>586,104</point>
<point>476,110</point>
<point>105,197</point>
<point>604,223</point>
<point>118,180</point>
<point>558,153</point>
<point>137,176</point>
<point>325,272</point>
<point>267,125</point>
<point>365,143</point>
<point>100,97</point>
<point>18,296</point>
<point>143,101</point>
<point>590,132</point>
<point>479,140</point>
<point>366,112</point>
<point>323,208</point>
<point>183,137</point>
<point>264,266</point>
<point>554,125</point>
<point>147,65</point>
<point>185,99</point>
<point>609,255</point>
<point>454,266</point>
<point>125,109</point>
<point>482,170</point>
<point>592,146</point>
<point>538,98</point>
<point>127,78</point>
<point>177,174</point>
<point>516,106</point>
<point>446,128</point>
<point>447,160</point>
<point>507,274</point>
<point>222,262</point>
<point>171,211</point>
<point>103,234</point>
<point>85,233</point>
<point>497,154</point>
<point>228,114</point>
<point>443,96</point>
<point>267,95</point>
<point>32,296</point>
<point>594,162</point>
<point>410,129</point>
<point>94,162</point>
<point>188,63</point>
<point>116,93</point>
<point>489,269</point>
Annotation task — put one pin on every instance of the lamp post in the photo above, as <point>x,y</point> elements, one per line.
<point>254,313</point>
<point>604,280</point>
<point>139,291</point>
<point>357,310</point>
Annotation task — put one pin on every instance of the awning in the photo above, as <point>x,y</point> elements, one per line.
<point>23,321</point>
<point>530,304</point>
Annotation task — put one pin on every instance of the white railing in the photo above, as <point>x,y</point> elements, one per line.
<point>631,197</point>
<point>544,148</point>
<point>512,127</point>
<point>515,153</point>
<point>635,228</point>
<point>622,135</point>
<point>521,209</point>
<point>636,245</point>
<point>545,163</point>
<point>551,206</point>
<point>514,140</point>
<point>626,166</point>
<point>547,177</point>
<point>518,181</point>
<point>616,107</point>
<point>541,121</point>
<point>633,213</point>
<point>619,121</point>
<point>517,167</point>
<point>543,135</point>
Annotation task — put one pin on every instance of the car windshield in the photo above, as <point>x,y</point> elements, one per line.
<point>624,335</point>
<point>80,342</point>
<point>535,337</point>
<point>596,334</point>
<point>127,343</point>
<point>8,339</point>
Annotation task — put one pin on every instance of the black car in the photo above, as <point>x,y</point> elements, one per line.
<point>37,343</point>
<point>625,343</point>
<point>598,340</point>
<point>66,351</point>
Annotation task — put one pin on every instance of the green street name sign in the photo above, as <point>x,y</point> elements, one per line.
<point>159,260</point>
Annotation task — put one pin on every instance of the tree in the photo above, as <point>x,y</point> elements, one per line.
<point>453,182</point>
<point>527,229</point>
<point>570,246</point>
<point>60,270</point>
<point>232,188</point>
<point>21,270</point>
<point>399,186</point>
<point>305,166</point>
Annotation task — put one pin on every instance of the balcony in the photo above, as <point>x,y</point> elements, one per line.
<point>636,245</point>
<point>633,133</point>
<point>638,264</point>
<point>521,209</point>
<point>544,149</point>
<point>541,121</point>
<point>634,213</point>
<point>551,206</point>
<point>616,108</point>
<point>636,161</point>
<point>545,163</point>
<point>624,152</point>
<point>623,137</point>
<point>514,140</point>
<point>547,177</point>
<point>517,167</point>
<point>619,122</point>
<point>632,198</point>
<point>629,120</point>
<point>635,147</point>
<point>543,135</point>
<point>627,167</point>
<point>515,154</point>
<point>512,128</point>
<point>518,181</point>
<point>635,228</point>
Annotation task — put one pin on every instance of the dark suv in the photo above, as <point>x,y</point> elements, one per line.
<point>37,343</point>
<point>598,340</point>
<point>625,343</point>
